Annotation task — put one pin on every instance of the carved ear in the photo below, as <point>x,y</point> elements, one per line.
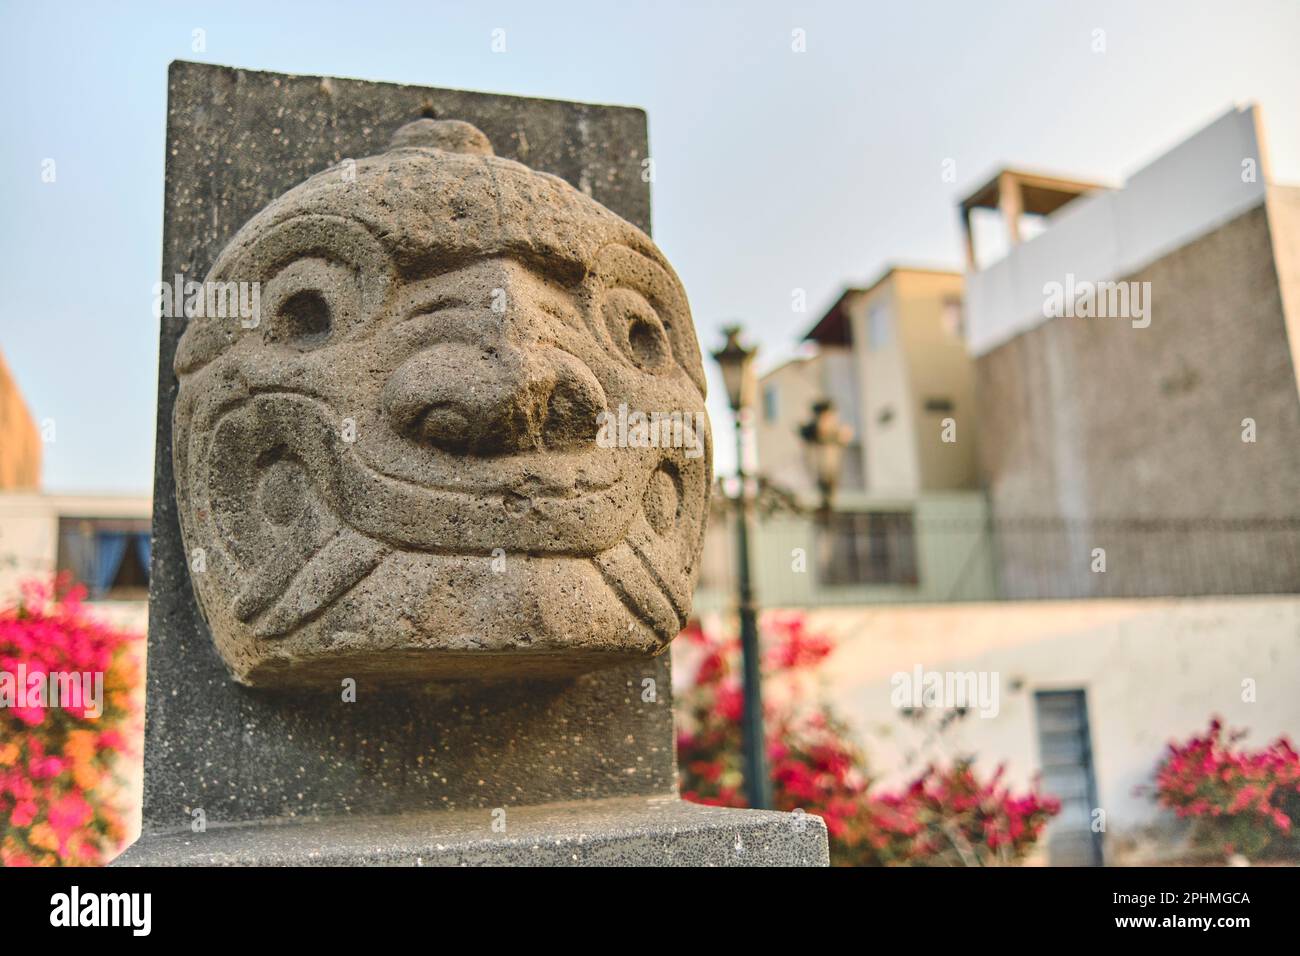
<point>270,510</point>
<point>359,275</point>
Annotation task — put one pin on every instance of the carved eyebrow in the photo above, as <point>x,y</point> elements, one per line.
<point>438,303</point>
<point>649,253</point>
<point>431,262</point>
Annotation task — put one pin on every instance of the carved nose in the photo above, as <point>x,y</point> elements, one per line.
<point>473,400</point>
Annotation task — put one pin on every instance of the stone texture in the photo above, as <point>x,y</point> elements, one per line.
<point>1089,421</point>
<point>386,435</point>
<point>236,140</point>
<point>628,831</point>
<point>437,756</point>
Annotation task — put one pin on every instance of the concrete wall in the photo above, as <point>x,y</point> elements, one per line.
<point>1092,419</point>
<point>1185,193</point>
<point>20,441</point>
<point>1153,671</point>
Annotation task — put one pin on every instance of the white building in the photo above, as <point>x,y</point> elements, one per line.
<point>102,540</point>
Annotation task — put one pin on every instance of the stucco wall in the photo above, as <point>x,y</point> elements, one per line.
<point>1090,418</point>
<point>1153,671</point>
<point>938,367</point>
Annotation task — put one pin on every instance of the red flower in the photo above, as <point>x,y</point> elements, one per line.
<point>23,813</point>
<point>53,758</point>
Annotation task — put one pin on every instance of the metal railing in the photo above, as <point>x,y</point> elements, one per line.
<point>1017,558</point>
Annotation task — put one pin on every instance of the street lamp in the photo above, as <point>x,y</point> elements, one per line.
<point>737,364</point>
<point>824,439</point>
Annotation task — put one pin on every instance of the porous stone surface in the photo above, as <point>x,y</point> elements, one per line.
<point>625,831</point>
<point>383,768</point>
<point>236,140</point>
<point>390,463</point>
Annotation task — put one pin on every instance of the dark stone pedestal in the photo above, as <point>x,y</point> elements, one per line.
<point>580,770</point>
<point>620,831</point>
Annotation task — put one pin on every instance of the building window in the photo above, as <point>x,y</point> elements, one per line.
<point>954,320</point>
<point>110,556</point>
<point>880,331</point>
<point>770,407</point>
<point>1065,747</point>
<point>939,406</point>
<point>867,547</point>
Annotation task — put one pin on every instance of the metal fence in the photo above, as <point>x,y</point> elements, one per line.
<point>1022,558</point>
<point>1146,557</point>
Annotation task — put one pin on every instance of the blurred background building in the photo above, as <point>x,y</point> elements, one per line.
<point>20,441</point>
<point>1115,505</point>
<point>996,453</point>
<point>1096,433</point>
<point>101,540</point>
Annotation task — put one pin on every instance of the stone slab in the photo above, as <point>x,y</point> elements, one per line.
<point>235,140</point>
<point>628,831</point>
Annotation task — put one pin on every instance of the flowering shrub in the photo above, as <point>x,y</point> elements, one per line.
<point>945,817</point>
<point>948,817</point>
<point>56,763</point>
<point>1239,801</point>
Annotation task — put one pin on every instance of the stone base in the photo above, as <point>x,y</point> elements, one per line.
<point>624,831</point>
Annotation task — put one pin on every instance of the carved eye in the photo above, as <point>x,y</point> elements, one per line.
<point>637,329</point>
<point>303,320</point>
<point>308,302</point>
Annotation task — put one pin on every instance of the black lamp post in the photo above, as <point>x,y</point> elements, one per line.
<point>737,364</point>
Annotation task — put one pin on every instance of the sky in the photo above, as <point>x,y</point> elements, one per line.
<point>775,170</point>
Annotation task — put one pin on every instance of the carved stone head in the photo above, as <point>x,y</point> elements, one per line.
<point>463,436</point>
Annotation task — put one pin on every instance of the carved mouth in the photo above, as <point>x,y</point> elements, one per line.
<point>306,518</point>
<point>534,474</point>
<point>578,504</point>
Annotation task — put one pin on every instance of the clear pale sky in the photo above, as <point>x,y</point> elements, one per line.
<point>775,170</point>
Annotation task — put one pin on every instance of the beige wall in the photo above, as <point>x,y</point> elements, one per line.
<point>938,366</point>
<point>1283,207</point>
<point>923,359</point>
<point>890,449</point>
<point>831,374</point>
<point>797,384</point>
<point>20,441</point>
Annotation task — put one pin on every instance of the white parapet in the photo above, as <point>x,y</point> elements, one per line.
<point>1203,182</point>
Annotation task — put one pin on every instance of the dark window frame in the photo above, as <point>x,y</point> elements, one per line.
<point>867,549</point>
<point>75,553</point>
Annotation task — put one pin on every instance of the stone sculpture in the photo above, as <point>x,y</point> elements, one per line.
<point>463,437</point>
